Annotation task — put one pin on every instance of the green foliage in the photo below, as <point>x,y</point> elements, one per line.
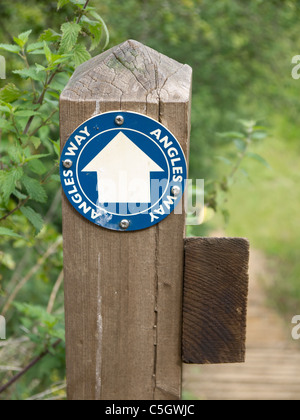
<point>62,3</point>
<point>42,328</point>
<point>237,146</point>
<point>70,32</point>
<point>9,94</point>
<point>34,218</point>
<point>29,183</point>
<point>8,232</point>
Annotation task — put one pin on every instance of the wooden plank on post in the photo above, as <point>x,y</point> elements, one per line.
<point>215,300</point>
<point>123,291</point>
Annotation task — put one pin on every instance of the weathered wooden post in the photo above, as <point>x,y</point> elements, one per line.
<point>126,332</point>
<point>123,290</point>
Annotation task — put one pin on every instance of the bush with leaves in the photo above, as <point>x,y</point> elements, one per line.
<point>29,180</point>
<point>28,114</point>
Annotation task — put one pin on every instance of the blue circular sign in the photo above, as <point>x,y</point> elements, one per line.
<point>123,171</point>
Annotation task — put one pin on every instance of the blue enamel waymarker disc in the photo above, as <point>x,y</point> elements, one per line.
<point>123,171</point>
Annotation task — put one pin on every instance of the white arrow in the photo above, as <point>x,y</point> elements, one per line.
<point>123,172</point>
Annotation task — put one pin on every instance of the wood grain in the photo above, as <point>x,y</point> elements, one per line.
<point>215,300</point>
<point>123,291</point>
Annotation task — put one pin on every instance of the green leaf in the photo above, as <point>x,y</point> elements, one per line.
<point>49,36</point>
<point>78,2</point>
<point>5,108</point>
<point>38,52</point>
<point>96,32</point>
<point>10,48</point>
<point>34,157</point>
<point>62,3</point>
<point>19,195</point>
<point>35,46</point>
<point>56,146</point>
<point>25,36</point>
<point>53,94</point>
<point>5,125</point>
<point>8,180</point>
<point>55,178</point>
<point>40,68</point>
<point>240,145</point>
<point>37,167</point>
<point>260,128</point>
<point>70,32</point>
<point>7,260</point>
<point>10,93</point>
<point>31,73</point>
<point>59,59</point>
<point>58,333</point>
<point>34,218</point>
<point>34,189</point>
<point>25,113</point>
<point>22,39</point>
<point>95,15</point>
<point>259,159</point>
<point>80,55</point>
<point>249,125</point>
<point>47,53</point>
<point>36,141</point>
<point>224,160</point>
<point>16,153</point>
<point>259,135</point>
<point>8,232</point>
<point>231,135</point>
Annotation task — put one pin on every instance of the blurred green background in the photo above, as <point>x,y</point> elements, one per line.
<point>241,54</point>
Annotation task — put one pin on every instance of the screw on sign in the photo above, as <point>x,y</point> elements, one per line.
<point>124,172</point>
<point>119,120</point>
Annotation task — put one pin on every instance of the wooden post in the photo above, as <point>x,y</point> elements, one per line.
<point>123,291</point>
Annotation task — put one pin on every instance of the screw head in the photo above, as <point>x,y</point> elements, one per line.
<point>67,163</point>
<point>124,224</point>
<point>119,120</point>
<point>176,191</point>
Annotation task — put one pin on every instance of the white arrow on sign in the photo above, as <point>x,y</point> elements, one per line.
<point>123,172</point>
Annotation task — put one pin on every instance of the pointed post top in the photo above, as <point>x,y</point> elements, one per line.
<point>130,71</point>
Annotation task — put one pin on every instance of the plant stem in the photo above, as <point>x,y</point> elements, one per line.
<point>49,174</point>
<point>24,57</point>
<point>21,204</point>
<point>41,98</point>
<point>242,156</point>
<point>82,12</point>
<point>28,367</point>
<point>43,124</point>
